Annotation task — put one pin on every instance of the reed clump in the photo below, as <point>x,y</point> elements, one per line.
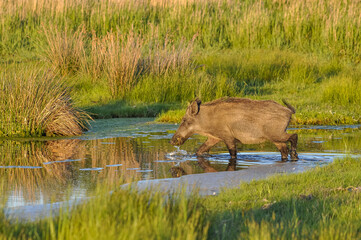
<point>122,62</point>
<point>37,103</point>
<point>121,59</point>
<point>65,50</point>
<point>165,57</point>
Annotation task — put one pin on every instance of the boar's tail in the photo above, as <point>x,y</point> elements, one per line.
<point>289,106</point>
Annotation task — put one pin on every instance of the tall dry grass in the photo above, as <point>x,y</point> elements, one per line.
<point>65,50</point>
<point>37,7</point>
<point>35,103</point>
<point>165,57</point>
<point>313,26</point>
<point>122,59</point>
<point>95,63</point>
<point>122,62</point>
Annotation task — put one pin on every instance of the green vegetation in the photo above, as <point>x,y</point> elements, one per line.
<point>37,104</point>
<point>330,27</point>
<point>323,90</point>
<point>121,109</point>
<point>319,204</point>
<point>156,53</point>
<point>125,214</point>
<point>122,58</point>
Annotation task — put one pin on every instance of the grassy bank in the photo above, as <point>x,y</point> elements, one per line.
<point>324,90</point>
<point>122,215</point>
<point>322,203</point>
<point>158,55</point>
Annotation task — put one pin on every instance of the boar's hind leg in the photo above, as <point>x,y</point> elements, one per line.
<point>282,147</point>
<point>207,145</point>
<point>293,139</point>
<point>232,148</point>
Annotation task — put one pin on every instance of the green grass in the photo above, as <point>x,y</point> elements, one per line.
<point>116,54</point>
<point>181,87</point>
<point>323,203</point>
<point>330,27</point>
<point>126,110</point>
<point>323,90</point>
<point>125,214</point>
<point>171,116</point>
<point>343,90</point>
<point>309,82</point>
<point>318,86</point>
<point>305,51</point>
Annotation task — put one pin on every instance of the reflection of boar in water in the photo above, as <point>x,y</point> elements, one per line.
<point>241,120</point>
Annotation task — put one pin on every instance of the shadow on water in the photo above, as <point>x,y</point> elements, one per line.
<point>37,171</point>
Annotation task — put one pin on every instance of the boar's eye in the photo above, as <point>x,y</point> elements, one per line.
<point>184,122</point>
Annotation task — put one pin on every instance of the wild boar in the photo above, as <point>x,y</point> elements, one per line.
<point>238,120</point>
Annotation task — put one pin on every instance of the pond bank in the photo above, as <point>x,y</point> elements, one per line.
<point>321,203</point>
<point>204,184</point>
<point>38,172</point>
<point>212,183</point>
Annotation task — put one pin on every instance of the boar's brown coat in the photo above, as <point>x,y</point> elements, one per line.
<point>233,120</point>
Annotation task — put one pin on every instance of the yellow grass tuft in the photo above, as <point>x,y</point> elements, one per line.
<point>37,103</point>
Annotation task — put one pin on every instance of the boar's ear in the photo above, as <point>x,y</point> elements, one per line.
<point>193,107</point>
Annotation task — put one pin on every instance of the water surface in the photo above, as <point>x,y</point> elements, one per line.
<point>39,171</point>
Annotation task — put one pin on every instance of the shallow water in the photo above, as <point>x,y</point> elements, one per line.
<point>39,171</point>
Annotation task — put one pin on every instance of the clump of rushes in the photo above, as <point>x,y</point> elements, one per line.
<point>164,57</point>
<point>36,104</point>
<point>65,50</point>
<point>122,62</point>
<point>122,59</point>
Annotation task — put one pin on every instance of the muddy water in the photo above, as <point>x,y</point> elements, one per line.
<point>40,171</point>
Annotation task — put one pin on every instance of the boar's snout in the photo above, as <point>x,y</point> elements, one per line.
<point>177,140</point>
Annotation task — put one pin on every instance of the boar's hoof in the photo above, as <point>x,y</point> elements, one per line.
<point>294,156</point>
<point>177,141</point>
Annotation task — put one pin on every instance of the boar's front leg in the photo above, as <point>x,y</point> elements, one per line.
<point>282,147</point>
<point>207,145</point>
<point>293,139</point>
